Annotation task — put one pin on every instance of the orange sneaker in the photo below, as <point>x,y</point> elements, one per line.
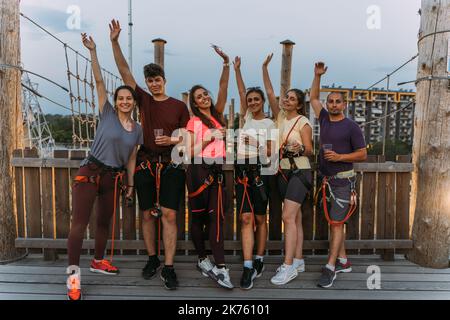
<point>73,284</point>
<point>104,267</point>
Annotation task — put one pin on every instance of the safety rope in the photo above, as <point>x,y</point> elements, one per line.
<point>246,195</point>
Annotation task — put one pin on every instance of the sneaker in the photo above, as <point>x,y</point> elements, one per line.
<point>340,267</point>
<point>247,278</point>
<point>104,267</point>
<point>285,273</point>
<point>301,268</point>
<point>169,277</point>
<point>258,265</point>
<point>327,278</point>
<point>205,266</point>
<point>150,269</point>
<point>73,284</point>
<point>222,276</point>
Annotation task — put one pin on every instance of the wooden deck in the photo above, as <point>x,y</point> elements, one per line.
<point>32,278</point>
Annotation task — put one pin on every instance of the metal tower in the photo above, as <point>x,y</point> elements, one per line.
<point>38,134</point>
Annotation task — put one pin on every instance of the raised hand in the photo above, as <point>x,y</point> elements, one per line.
<point>88,41</point>
<point>114,28</point>
<point>219,51</point>
<point>320,69</point>
<point>268,59</point>
<point>237,63</point>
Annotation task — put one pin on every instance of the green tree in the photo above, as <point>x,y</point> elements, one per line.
<point>393,149</point>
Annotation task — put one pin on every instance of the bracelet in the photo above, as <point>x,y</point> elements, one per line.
<point>226,64</point>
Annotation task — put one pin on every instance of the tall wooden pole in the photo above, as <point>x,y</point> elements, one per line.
<point>286,66</point>
<point>231,115</point>
<point>11,126</point>
<point>159,51</point>
<point>431,149</point>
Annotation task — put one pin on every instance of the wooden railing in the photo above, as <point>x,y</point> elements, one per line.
<point>380,225</point>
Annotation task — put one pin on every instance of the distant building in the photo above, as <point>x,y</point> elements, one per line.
<point>364,106</point>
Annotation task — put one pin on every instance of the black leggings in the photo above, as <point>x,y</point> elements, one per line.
<point>206,223</point>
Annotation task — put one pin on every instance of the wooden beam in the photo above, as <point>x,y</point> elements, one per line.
<point>66,163</point>
<point>229,245</point>
<point>159,51</point>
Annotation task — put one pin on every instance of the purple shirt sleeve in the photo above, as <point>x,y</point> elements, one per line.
<point>323,115</point>
<point>357,138</point>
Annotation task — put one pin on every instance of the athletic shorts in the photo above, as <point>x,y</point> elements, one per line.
<point>171,190</point>
<point>255,194</point>
<point>339,205</point>
<point>294,189</point>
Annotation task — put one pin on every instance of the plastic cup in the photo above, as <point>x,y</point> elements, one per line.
<point>327,147</point>
<point>158,132</point>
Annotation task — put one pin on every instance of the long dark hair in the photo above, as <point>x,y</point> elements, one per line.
<point>301,100</point>
<point>207,122</point>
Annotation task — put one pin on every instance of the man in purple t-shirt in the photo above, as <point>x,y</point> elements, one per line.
<point>341,144</point>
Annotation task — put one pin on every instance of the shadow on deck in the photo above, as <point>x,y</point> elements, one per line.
<point>33,278</point>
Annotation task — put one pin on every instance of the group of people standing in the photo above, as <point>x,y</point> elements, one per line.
<point>143,152</point>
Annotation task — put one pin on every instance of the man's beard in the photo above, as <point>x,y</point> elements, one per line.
<point>335,113</point>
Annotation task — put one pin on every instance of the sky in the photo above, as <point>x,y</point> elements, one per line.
<point>360,40</point>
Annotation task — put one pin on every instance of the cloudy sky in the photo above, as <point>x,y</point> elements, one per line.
<point>360,40</point>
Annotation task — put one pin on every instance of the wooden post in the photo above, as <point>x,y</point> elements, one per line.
<point>159,51</point>
<point>231,115</point>
<point>185,99</point>
<point>431,156</point>
<point>286,65</point>
<point>11,129</point>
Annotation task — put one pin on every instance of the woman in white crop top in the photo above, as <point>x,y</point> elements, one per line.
<point>254,148</point>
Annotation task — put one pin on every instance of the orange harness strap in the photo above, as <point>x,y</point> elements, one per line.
<point>351,210</point>
<point>244,182</point>
<point>282,147</point>
<point>118,179</point>
<point>203,187</point>
<point>219,206</point>
<point>159,167</point>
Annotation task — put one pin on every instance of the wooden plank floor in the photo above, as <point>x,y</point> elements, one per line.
<point>32,278</point>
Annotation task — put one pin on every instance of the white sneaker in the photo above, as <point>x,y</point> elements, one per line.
<point>222,276</point>
<point>285,273</point>
<point>205,266</point>
<point>300,268</point>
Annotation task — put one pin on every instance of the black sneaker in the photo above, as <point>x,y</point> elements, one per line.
<point>169,277</point>
<point>258,265</point>
<point>327,278</point>
<point>247,278</point>
<point>149,271</point>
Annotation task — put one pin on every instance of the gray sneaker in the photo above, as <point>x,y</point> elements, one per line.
<point>327,278</point>
<point>222,276</point>
<point>205,266</point>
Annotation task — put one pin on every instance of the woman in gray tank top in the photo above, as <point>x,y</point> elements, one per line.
<point>114,149</point>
